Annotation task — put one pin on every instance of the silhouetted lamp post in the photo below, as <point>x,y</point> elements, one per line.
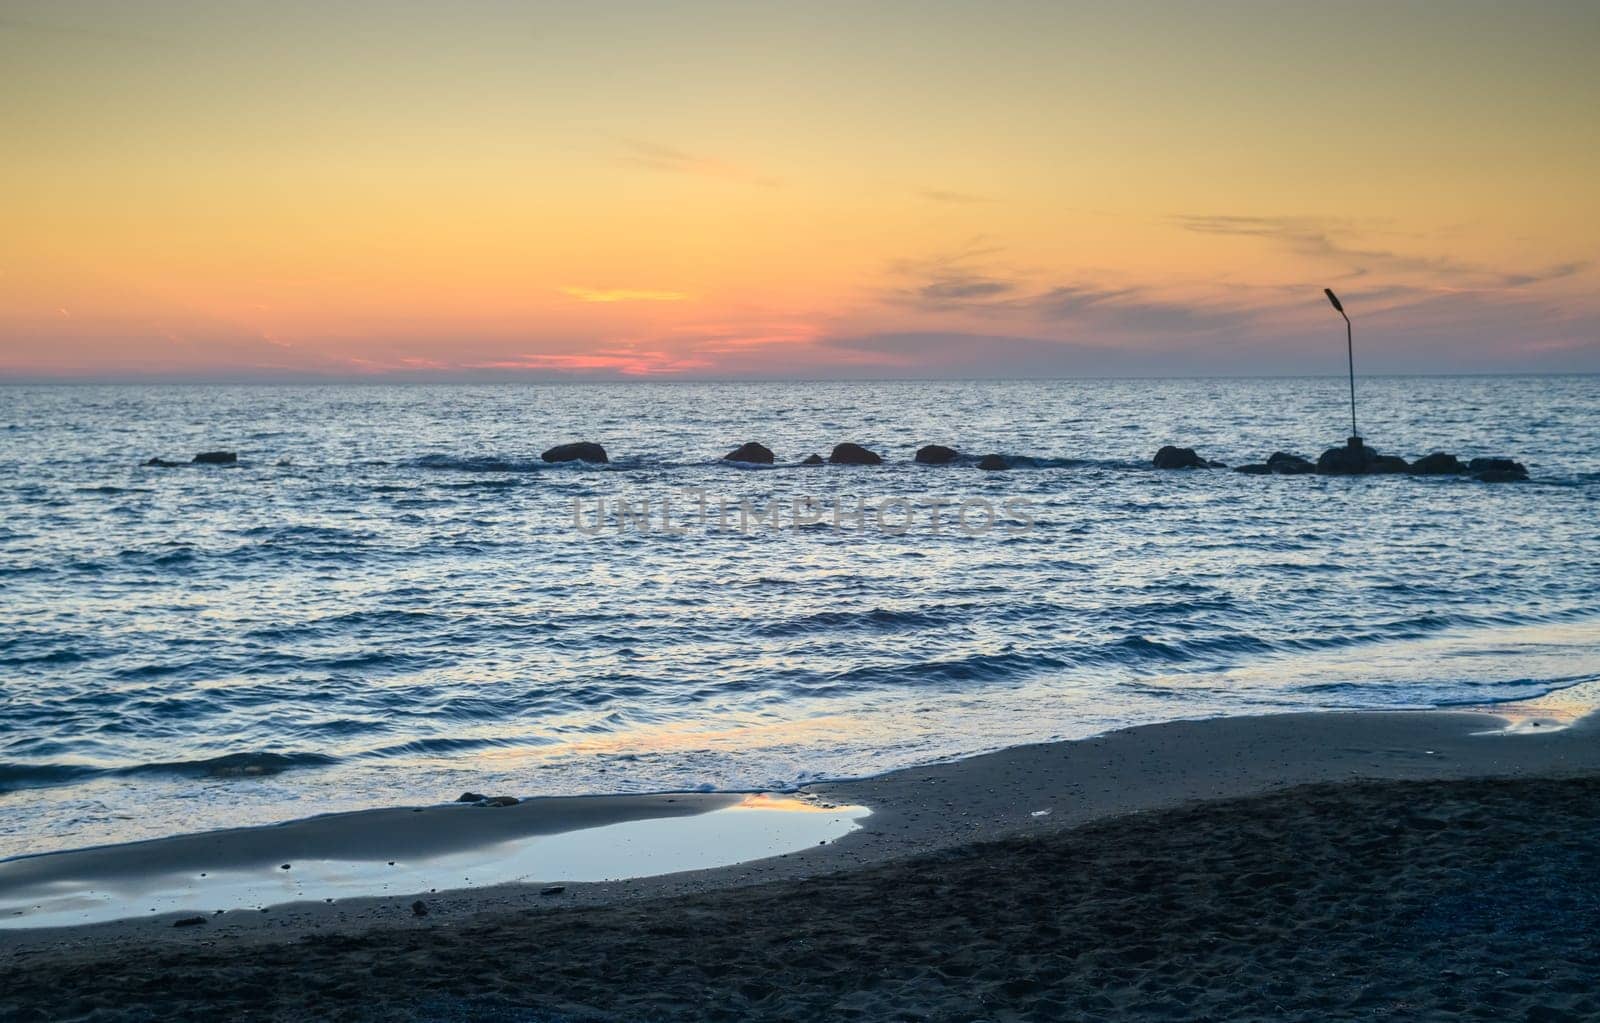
<point>1350,351</point>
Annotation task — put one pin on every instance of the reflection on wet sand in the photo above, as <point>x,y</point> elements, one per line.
<point>98,885</point>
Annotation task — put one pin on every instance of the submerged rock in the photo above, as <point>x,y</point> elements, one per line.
<point>1170,457</point>
<point>1496,464</point>
<point>751,452</point>
<point>215,458</point>
<point>581,451</point>
<point>935,454</point>
<point>1279,463</point>
<point>162,463</point>
<point>993,463</point>
<point>1439,463</point>
<point>812,460</point>
<point>1389,464</point>
<point>853,454</point>
<point>1497,470</point>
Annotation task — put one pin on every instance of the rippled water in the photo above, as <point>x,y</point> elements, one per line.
<point>386,601</point>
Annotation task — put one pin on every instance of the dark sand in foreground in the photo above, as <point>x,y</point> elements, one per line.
<point>1299,867</point>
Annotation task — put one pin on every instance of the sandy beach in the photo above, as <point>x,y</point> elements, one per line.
<point>1406,865</point>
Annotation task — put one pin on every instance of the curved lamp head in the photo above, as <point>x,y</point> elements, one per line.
<point>1334,299</point>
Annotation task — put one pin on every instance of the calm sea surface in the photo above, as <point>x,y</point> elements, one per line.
<point>389,600</point>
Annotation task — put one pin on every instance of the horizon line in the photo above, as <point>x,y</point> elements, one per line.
<point>401,380</point>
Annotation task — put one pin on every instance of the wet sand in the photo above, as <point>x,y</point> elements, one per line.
<point>1303,866</point>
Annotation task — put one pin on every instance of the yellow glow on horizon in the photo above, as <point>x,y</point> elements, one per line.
<point>622,295</point>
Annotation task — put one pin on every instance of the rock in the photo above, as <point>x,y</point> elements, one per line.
<point>582,451</point>
<point>284,866</point>
<point>498,801</point>
<point>1502,470</point>
<point>419,908</point>
<point>752,452</point>
<point>1290,465</point>
<point>1501,475</point>
<point>1354,459</point>
<point>470,797</point>
<point>935,454</point>
<point>190,921</point>
<point>1437,464</point>
<point>1170,457</point>
<point>215,458</point>
<point>993,463</point>
<point>552,889</point>
<point>812,460</point>
<point>1341,462</point>
<point>853,454</point>
<point>162,463</point>
<point>1256,469</point>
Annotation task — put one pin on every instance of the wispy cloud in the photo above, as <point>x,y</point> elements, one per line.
<point>973,281</point>
<point>670,160</point>
<point>608,295</point>
<point>1318,238</point>
<point>961,288</point>
<point>1551,273</point>
<point>962,355</point>
<point>954,280</point>
<point>726,338</point>
<point>1139,311</point>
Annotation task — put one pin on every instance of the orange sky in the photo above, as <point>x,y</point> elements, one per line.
<point>498,190</point>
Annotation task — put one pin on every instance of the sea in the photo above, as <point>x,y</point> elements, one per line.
<point>391,598</point>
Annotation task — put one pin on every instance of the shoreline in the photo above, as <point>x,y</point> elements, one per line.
<point>853,741</point>
<point>1558,708</point>
<point>1024,790</point>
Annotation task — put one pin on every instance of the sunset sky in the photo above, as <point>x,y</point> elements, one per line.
<point>486,190</point>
